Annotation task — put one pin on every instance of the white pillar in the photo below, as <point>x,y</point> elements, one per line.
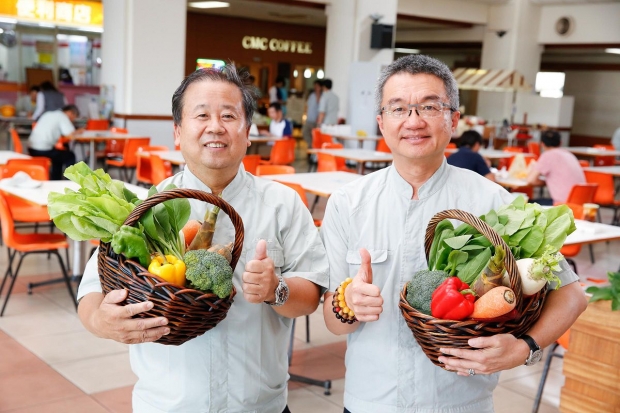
<point>517,49</point>
<point>348,40</point>
<point>143,57</point>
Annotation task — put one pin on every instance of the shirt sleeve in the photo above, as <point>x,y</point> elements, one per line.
<point>566,276</point>
<point>40,105</point>
<point>66,126</point>
<point>90,279</point>
<point>542,165</point>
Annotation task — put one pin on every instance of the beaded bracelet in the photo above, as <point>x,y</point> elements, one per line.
<point>340,308</point>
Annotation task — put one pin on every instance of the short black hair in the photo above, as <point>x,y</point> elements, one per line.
<point>318,82</point>
<point>469,139</point>
<point>71,108</point>
<point>280,79</point>
<point>551,138</point>
<point>276,106</point>
<point>327,83</point>
<point>35,88</point>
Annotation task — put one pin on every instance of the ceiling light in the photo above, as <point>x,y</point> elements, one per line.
<point>320,74</point>
<point>209,4</point>
<point>295,73</point>
<point>401,50</point>
<point>307,73</point>
<point>616,51</point>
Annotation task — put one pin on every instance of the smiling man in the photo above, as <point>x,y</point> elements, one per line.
<point>241,365</point>
<point>374,233</point>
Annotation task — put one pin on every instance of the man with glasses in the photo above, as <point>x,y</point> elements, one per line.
<point>374,234</point>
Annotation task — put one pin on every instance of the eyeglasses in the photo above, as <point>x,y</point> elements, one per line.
<point>423,110</point>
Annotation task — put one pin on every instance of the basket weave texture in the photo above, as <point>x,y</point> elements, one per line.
<point>432,333</point>
<point>190,312</point>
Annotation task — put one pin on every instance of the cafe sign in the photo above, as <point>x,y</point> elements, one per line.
<point>276,45</point>
<point>60,12</point>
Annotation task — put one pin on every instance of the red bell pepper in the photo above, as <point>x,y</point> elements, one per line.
<point>452,300</point>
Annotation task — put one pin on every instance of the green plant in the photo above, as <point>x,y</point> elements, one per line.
<point>610,292</point>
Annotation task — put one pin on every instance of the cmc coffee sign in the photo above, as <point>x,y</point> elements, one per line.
<point>276,45</point>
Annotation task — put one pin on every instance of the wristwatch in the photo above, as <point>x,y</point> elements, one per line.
<point>281,293</point>
<point>535,351</point>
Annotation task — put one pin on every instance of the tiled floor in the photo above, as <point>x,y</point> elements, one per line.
<point>50,363</point>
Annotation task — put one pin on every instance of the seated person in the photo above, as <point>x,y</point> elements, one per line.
<point>50,127</point>
<point>559,167</point>
<point>279,126</point>
<point>26,104</point>
<point>467,157</point>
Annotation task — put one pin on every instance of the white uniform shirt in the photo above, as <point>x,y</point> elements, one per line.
<point>386,370</point>
<point>241,365</point>
<point>50,127</point>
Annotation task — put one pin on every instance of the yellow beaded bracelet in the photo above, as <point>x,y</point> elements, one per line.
<point>339,304</point>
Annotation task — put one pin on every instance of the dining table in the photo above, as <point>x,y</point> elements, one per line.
<point>91,137</point>
<point>588,152</point>
<point>610,170</point>
<point>361,156</point>
<point>592,232</point>
<point>6,156</point>
<point>493,154</point>
<point>343,138</point>
<point>174,157</point>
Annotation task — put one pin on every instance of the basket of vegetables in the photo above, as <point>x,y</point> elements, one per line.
<point>487,276</point>
<point>151,249</point>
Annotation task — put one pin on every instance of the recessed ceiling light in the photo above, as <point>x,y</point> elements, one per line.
<point>616,51</point>
<point>209,4</point>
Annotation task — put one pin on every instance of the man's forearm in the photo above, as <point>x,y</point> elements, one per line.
<point>303,298</point>
<point>87,307</point>
<point>334,324</point>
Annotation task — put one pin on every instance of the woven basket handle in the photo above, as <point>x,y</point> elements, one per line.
<point>155,199</point>
<point>489,233</point>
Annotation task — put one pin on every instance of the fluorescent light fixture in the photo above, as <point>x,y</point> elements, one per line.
<point>616,51</point>
<point>402,50</point>
<point>320,74</point>
<point>549,81</point>
<point>307,73</point>
<point>295,73</point>
<point>551,93</point>
<point>209,4</point>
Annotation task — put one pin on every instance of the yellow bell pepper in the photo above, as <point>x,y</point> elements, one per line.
<point>169,268</point>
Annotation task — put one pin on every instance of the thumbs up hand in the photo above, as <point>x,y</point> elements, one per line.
<point>361,295</point>
<point>259,279</point>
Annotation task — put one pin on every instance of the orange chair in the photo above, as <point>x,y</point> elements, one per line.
<point>114,129</point>
<point>534,149</point>
<point>563,341</point>
<point>250,162</point>
<point>584,163</point>
<point>450,145</point>
<point>97,124</point>
<point>318,139</point>
<point>302,194</point>
<point>570,251</point>
<point>605,195</point>
<point>383,147</point>
<point>160,169</point>
<point>326,163</point>
<point>582,194</point>
<point>274,170</point>
<point>340,162</point>
<point>24,244</point>
<point>33,160</point>
<point>282,152</point>
<point>128,162</point>
<point>144,167</point>
<point>604,160</point>
<point>17,143</point>
<point>113,147</point>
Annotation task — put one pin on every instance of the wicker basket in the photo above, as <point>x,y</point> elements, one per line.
<point>190,313</point>
<point>432,333</point>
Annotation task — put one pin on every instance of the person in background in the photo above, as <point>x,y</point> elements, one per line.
<point>329,105</point>
<point>48,99</point>
<point>26,104</point>
<point>275,91</point>
<point>43,140</point>
<point>240,365</point>
<point>312,111</point>
<point>278,127</point>
<point>560,168</point>
<point>295,108</point>
<point>467,156</point>
<point>374,230</point>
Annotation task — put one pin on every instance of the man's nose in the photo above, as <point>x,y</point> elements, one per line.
<point>215,125</point>
<point>414,120</point>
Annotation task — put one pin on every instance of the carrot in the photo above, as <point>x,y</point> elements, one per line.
<point>496,302</point>
<point>204,236</point>
<point>190,229</point>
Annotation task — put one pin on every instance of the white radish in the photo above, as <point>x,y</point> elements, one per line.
<point>536,272</point>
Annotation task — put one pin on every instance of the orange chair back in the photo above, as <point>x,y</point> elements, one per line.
<point>130,158</point>
<point>274,170</point>
<point>572,250</point>
<point>341,164</point>
<point>584,163</point>
<point>35,171</point>
<point>302,194</point>
<point>118,130</point>
<point>326,163</point>
<point>606,193</point>
<point>283,152</point>
<point>8,224</point>
<point>564,339</point>
<point>250,162</point>
<point>515,149</point>
<point>604,160</point>
<point>319,138</point>
<point>17,143</point>
<point>582,193</point>
<point>97,124</point>
<point>534,149</point>
<point>143,163</point>
<point>35,160</point>
<point>382,146</point>
<point>160,169</point>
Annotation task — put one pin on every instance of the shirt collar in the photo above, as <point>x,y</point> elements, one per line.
<point>432,185</point>
<point>231,190</point>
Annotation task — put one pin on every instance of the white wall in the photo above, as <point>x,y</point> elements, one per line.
<point>594,23</point>
<point>456,10</point>
<point>475,34</point>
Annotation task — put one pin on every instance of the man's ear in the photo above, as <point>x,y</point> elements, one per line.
<point>177,135</point>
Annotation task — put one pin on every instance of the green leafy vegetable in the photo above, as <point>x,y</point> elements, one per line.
<point>610,292</point>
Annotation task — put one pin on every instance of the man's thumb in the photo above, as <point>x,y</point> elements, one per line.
<point>115,296</point>
<point>365,268</point>
<point>261,250</point>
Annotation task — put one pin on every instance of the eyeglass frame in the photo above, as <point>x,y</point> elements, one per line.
<point>415,106</point>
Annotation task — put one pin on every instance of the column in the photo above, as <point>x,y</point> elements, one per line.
<point>348,44</point>
<point>517,49</point>
<point>143,58</point>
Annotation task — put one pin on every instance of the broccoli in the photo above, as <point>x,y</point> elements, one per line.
<point>421,287</point>
<point>208,271</point>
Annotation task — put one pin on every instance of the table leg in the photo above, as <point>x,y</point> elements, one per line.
<point>92,156</point>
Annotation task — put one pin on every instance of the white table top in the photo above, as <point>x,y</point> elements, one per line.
<point>357,138</point>
<point>358,155</point>
<point>591,232</point>
<point>5,156</point>
<point>587,151</point>
<point>493,153</point>
<point>510,182</point>
<point>39,195</point>
<point>611,170</point>
<point>174,157</point>
<point>318,183</point>
<point>102,135</point>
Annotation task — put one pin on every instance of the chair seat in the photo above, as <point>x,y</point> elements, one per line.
<point>38,242</point>
<point>115,162</point>
<point>24,211</point>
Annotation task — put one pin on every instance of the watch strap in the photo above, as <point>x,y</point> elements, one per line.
<point>530,342</point>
